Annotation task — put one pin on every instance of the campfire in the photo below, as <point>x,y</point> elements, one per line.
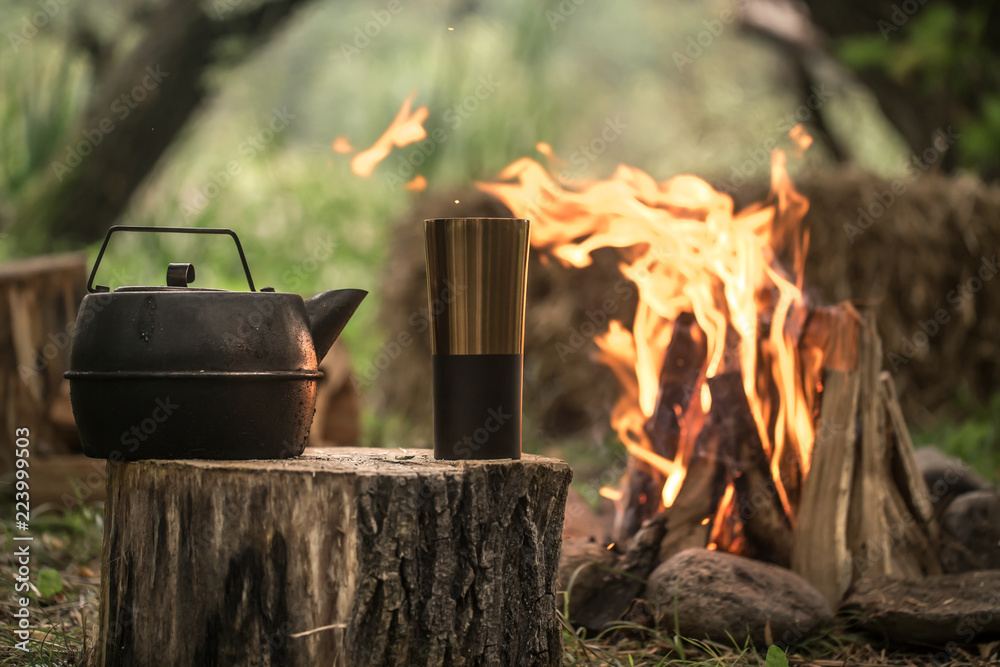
<point>756,421</point>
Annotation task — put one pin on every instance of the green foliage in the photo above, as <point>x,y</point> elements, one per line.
<point>775,657</point>
<point>942,52</point>
<point>42,92</point>
<point>975,439</point>
<point>49,582</point>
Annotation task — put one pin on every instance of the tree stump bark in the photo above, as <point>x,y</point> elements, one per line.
<point>338,557</point>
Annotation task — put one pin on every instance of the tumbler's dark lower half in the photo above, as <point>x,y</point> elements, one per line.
<point>477,406</point>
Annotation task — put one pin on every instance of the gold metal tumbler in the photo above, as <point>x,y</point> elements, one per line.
<point>476,282</point>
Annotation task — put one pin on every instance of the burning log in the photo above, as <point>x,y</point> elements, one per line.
<point>679,374</point>
<point>678,378</point>
<point>341,557</point>
<point>765,526</point>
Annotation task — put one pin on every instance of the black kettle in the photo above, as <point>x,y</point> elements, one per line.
<point>181,372</point>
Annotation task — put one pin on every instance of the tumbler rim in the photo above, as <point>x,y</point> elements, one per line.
<point>473,219</point>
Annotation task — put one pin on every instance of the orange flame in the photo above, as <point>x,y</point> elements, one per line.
<point>686,250</point>
<point>418,184</point>
<point>404,129</point>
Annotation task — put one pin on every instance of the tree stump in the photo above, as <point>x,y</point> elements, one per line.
<point>343,556</point>
<point>38,302</point>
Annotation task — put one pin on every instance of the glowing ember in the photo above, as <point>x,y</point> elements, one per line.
<point>739,274</point>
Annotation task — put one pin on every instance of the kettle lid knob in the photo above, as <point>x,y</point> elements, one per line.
<point>180,275</point>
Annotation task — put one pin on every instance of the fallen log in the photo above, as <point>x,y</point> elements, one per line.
<point>343,556</point>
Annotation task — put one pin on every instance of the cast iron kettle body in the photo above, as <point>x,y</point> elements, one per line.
<point>177,372</point>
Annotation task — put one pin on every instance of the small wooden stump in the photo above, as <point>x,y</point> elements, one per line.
<point>338,557</point>
<point>38,301</point>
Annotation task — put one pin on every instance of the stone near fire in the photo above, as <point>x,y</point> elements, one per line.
<point>718,595</point>
<point>952,610</point>
<point>970,532</point>
<point>947,477</point>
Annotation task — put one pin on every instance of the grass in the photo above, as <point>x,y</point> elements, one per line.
<point>834,645</point>
<point>975,439</point>
<point>65,623</point>
<point>64,586</point>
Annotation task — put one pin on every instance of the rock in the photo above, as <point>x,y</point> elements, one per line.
<point>584,522</point>
<point>718,595</point>
<point>970,532</point>
<point>947,476</point>
<point>939,610</point>
<point>591,575</point>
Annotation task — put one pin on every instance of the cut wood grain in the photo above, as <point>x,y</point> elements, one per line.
<point>343,556</point>
<point>820,552</point>
<point>867,525</point>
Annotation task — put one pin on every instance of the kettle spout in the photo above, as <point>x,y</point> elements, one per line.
<point>328,314</point>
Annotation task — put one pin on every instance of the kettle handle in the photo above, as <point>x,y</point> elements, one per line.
<point>169,230</point>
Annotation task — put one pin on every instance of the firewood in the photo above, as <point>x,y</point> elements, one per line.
<point>682,366</point>
<point>906,471</point>
<point>914,531</point>
<point>343,556</point>
<point>867,524</point>
<point>38,302</point>
<point>688,519</point>
<point>766,527</point>
<point>865,509</point>
<point>820,552</point>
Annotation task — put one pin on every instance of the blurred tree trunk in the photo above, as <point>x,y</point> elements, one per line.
<point>139,107</point>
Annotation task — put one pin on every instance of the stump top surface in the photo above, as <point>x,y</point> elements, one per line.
<point>356,461</point>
